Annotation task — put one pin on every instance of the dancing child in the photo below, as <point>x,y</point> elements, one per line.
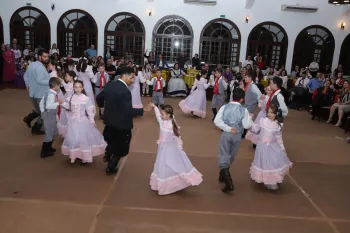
<point>173,170</point>
<point>100,79</point>
<point>50,108</point>
<point>232,119</point>
<point>270,163</point>
<point>220,86</point>
<point>158,84</point>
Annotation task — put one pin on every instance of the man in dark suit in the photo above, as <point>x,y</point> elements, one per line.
<point>118,113</point>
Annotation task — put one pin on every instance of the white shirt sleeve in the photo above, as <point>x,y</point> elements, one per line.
<point>107,78</point>
<point>25,77</point>
<point>247,121</point>
<point>212,80</point>
<point>256,91</point>
<point>283,105</point>
<point>50,102</point>
<point>94,79</point>
<point>224,83</point>
<point>218,121</point>
<point>41,105</point>
<point>150,82</point>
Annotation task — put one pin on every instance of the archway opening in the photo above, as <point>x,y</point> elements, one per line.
<point>220,43</point>
<point>76,31</point>
<point>125,35</point>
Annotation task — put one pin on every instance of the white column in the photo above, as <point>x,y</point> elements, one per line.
<point>101,39</point>
<point>290,52</point>
<point>6,28</point>
<point>339,37</point>
<point>53,33</point>
<point>244,46</point>
<point>196,42</point>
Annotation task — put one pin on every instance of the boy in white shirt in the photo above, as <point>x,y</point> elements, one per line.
<point>50,108</point>
<point>232,119</point>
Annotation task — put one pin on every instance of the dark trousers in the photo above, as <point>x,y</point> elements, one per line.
<point>1,69</point>
<point>36,103</point>
<point>300,97</point>
<point>118,144</point>
<point>316,110</point>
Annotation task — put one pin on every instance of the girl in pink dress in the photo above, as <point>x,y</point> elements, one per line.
<point>68,87</point>
<point>54,71</point>
<point>82,140</point>
<point>270,163</point>
<point>147,74</point>
<point>85,74</point>
<point>173,170</point>
<point>252,136</point>
<point>135,89</point>
<point>196,102</point>
<point>9,65</point>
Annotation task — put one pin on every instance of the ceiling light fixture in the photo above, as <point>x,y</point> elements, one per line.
<point>342,25</point>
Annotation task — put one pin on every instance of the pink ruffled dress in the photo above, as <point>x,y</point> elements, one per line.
<point>251,135</point>
<point>196,102</point>
<point>173,171</point>
<point>270,163</point>
<point>63,119</point>
<point>83,140</point>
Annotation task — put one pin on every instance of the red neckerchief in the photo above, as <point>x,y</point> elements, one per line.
<point>216,86</point>
<point>270,98</point>
<point>247,85</point>
<point>159,80</point>
<point>102,80</point>
<point>58,108</point>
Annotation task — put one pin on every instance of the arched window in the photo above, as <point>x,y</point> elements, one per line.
<point>314,43</point>
<point>1,32</point>
<point>171,35</point>
<point>125,34</point>
<point>270,40</point>
<point>220,43</point>
<point>76,31</point>
<point>344,57</point>
<point>30,26</point>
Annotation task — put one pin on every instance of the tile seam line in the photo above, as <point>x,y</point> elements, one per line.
<point>94,223</point>
<point>240,158</point>
<point>320,219</point>
<point>37,201</point>
<point>318,209</point>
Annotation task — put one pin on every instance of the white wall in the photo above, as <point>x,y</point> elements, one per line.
<point>329,16</point>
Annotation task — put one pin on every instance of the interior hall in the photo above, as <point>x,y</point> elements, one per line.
<point>175,116</point>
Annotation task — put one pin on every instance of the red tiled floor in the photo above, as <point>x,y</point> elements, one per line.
<point>343,227</point>
<point>248,197</point>
<point>331,180</point>
<point>121,220</point>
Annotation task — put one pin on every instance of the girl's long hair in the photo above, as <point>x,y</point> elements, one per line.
<point>203,72</point>
<point>72,74</point>
<point>82,65</point>
<point>169,110</point>
<point>70,100</point>
<point>275,111</point>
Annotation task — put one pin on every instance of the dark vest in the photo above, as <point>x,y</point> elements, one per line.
<point>274,101</point>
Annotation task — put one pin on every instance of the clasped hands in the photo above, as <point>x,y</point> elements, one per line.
<point>149,107</point>
<point>234,131</point>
